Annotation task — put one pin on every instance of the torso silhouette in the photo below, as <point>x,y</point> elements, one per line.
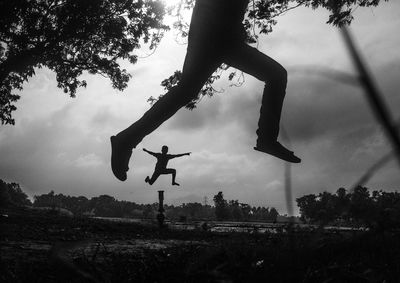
<point>219,20</point>
<point>162,161</point>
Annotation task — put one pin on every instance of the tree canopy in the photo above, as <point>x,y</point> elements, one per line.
<point>12,194</point>
<point>376,210</point>
<point>71,37</point>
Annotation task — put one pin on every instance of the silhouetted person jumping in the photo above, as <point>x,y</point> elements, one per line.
<point>216,36</point>
<point>161,165</point>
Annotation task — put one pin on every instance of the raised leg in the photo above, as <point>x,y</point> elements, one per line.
<point>264,68</point>
<point>197,68</point>
<point>153,178</point>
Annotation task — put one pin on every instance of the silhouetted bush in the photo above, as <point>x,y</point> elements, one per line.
<point>11,194</point>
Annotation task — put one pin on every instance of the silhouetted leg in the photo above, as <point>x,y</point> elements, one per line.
<point>153,178</point>
<point>264,68</point>
<point>197,68</point>
<point>173,173</point>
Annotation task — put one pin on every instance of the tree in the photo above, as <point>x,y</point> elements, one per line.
<point>70,37</point>
<point>308,206</point>
<point>361,205</point>
<point>236,210</point>
<point>221,207</point>
<point>5,198</point>
<point>12,194</point>
<point>106,206</point>
<point>273,214</point>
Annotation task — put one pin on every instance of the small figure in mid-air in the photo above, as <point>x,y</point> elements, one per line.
<point>161,165</point>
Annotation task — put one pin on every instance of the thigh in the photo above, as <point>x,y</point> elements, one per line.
<point>155,175</point>
<point>200,62</point>
<point>251,61</point>
<point>168,171</point>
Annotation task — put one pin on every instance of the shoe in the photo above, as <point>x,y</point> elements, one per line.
<point>120,155</point>
<point>147,179</point>
<point>278,150</point>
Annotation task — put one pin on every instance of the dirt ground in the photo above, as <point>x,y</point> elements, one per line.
<point>40,247</point>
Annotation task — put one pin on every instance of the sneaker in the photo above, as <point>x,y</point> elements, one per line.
<point>120,155</point>
<point>278,150</point>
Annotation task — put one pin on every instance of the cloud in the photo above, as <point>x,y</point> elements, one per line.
<point>202,116</point>
<point>89,160</point>
<point>62,144</point>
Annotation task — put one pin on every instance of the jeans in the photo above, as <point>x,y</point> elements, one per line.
<point>204,55</point>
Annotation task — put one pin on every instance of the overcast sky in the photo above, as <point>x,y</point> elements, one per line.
<point>62,144</point>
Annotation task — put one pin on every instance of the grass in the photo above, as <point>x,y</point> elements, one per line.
<point>87,250</point>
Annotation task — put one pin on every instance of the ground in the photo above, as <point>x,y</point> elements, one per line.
<point>40,247</point>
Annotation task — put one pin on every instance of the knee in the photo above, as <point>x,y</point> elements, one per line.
<point>278,75</point>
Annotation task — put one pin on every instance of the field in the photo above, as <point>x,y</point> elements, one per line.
<point>39,247</point>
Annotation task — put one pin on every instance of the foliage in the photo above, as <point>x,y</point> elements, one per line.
<point>379,210</point>
<point>221,207</point>
<point>71,37</point>
<point>233,210</point>
<point>108,206</point>
<point>262,15</point>
<point>11,194</point>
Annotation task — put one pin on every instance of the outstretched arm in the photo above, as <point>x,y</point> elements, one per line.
<point>179,155</point>
<point>149,152</point>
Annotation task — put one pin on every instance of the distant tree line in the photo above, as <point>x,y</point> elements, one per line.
<point>233,210</point>
<point>359,207</point>
<point>107,206</point>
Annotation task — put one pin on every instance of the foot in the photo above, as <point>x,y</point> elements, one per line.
<point>278,150</point>
<point>175,184</point>
<point>120,155</point>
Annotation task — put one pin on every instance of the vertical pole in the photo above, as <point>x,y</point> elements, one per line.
<point>160,215</point>
<point>288,189</point>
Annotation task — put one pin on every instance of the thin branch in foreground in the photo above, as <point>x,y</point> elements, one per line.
<point>371,171</point>
<point>376,166</point>
<point>373,95</point>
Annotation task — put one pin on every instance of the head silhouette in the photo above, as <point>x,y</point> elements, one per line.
<point>164,149</point>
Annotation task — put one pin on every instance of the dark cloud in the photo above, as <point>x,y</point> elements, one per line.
<point>318,107</point>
